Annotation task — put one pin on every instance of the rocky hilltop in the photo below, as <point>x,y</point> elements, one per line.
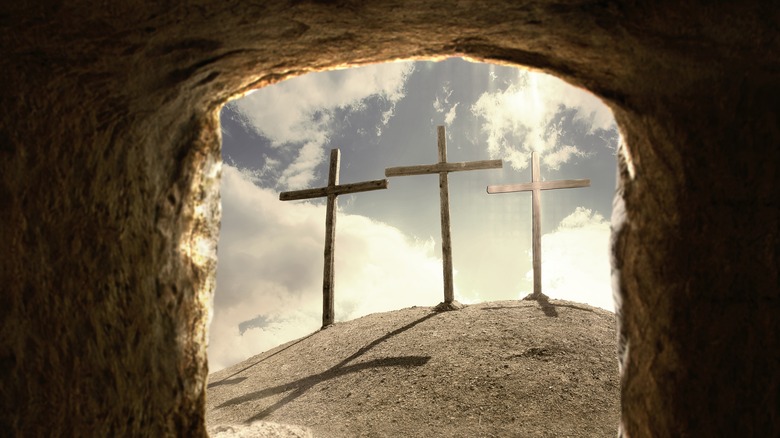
<point>508,368</point>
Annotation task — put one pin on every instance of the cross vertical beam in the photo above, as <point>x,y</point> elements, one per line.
<point>444,213</point>
<point>328,275</point>
<point>443,168</point>
<point>535,187</point>
<point>536,225</point>
<point>332,190</point>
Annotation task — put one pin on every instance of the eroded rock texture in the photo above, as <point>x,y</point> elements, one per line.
<point>109,155</point>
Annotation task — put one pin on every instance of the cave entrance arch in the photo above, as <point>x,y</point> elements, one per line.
<point>112,112</point>
<point>651,157</point>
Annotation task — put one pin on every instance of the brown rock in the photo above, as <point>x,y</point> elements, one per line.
<point>109,152</point>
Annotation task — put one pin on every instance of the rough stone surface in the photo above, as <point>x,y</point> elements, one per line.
<point>264,429</point>
<point>109,168</point>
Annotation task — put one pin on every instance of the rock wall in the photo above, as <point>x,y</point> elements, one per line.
<point>109,169</point>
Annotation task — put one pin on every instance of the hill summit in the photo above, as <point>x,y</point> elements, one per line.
<point>507,368</point>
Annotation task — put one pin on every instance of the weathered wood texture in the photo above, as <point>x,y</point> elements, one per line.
<point>328,274</point>
<point>443,168</point>
<point>425,169</point>
<point>541,185</point>
<point>331,191</point>
<point>536,228</point>
<point>109,189</point>
<point>535,187</point>
<point>444,215</point>
<point>338,190</point>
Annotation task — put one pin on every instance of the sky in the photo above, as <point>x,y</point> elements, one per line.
<point>388,242</point>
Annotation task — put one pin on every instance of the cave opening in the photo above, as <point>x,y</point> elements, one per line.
<point>268,288</point>
<point>274,137</point>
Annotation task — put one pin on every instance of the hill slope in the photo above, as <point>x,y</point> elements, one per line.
<point>509,368</point>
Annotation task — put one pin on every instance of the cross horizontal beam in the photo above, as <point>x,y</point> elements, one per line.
<point>425,169</point>
<point>331,191</point>
<point>443,168</point>
<point>535,187</point>
<point>539,185</point>
<point>342,189</point>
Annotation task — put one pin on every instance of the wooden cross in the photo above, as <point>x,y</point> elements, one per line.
<point>443,168</point>
<point>535,187</point>
<point>331,191</point>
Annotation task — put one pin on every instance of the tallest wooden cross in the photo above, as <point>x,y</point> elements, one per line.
<point>443,168</point>
<point>535,187</point>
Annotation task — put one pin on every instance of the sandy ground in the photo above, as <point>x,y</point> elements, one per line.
<point>496,369</point>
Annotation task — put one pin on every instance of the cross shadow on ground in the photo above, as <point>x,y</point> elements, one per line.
<point>549,308</point>
<point>300,386</point>
<point>544,303</point>
<point>228,381</point>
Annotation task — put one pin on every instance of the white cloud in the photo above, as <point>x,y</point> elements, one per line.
<point>301,172</point>
<point>575,260</point>
<point>442,104</point>
<point>387,115</point>
<point>519,119</point>
<point>438,106</point>
<point>270,266</point>
<point>443,99</point>
<point>450,117</point>
<point>297,113</point>
<point>561,155</point>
